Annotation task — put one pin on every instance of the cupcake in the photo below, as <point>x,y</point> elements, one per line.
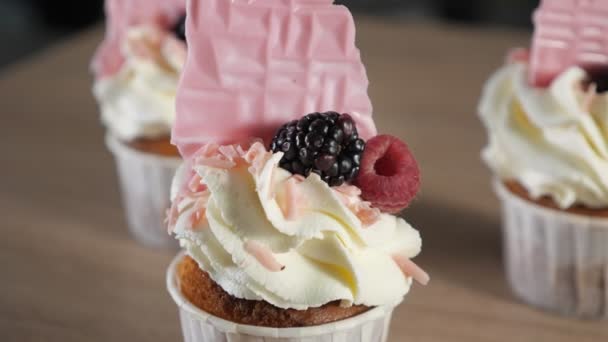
<point>136,70</point>
<point>284,204</point>
<point>546,112</point>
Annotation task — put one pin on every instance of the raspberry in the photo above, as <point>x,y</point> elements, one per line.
<point>389,177</point>
<point>324,143</point>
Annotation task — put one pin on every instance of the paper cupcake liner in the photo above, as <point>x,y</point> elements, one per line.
<point>145,180</point>
<point>555,260</point>
<point>200,326</point>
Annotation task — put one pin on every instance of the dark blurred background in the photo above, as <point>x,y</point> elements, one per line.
<point>29,25</point>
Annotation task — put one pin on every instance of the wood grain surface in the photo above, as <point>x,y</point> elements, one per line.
<point>70,271</point>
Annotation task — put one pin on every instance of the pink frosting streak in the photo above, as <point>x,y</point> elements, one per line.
<point>351,197</point>
<point>264,256</point>
<point>124,14</point>
<point>253,65</point>
<point>568,33</point>
<point>410,269</point>
<point>292,199</point>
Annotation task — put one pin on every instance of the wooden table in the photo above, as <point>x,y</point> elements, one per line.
<point>70,271</point>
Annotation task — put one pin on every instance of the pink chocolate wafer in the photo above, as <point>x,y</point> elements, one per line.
<point>568,33</point>
<point>253,65</point>
<point>123,14</point>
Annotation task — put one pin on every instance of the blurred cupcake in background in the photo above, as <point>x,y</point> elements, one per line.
<point>546,112</point>
<point>291,236</point>
<point>136,69</point>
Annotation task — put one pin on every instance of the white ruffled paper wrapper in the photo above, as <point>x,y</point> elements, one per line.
<point>555,260</point>
<point>199,326</point>
<point>145,180</point>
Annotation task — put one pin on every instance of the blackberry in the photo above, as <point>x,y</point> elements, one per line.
<point>327,144</point>
<point>179,29</point>
<point>599,77</point>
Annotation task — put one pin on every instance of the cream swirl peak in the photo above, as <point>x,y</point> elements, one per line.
<point>262,233</point>
<point>553,141</point>
<point>139,100</point>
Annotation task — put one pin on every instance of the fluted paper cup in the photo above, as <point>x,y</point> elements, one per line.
<point>145,181</point>
<point>200,326</point>
<point>555,260</point>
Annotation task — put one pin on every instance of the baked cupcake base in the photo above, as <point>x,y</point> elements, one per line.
<point>547,202</point>
<point>202,291</point>
<point>145,177</point>
<point>199,325</point>
<point>160,146</point>
<point>555,259</point>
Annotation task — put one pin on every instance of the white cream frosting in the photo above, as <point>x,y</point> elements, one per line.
<point>139,101</point>
<point>553,141</point>
<point>328,254</point>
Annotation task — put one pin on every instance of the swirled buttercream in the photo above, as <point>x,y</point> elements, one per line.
<point>551,140</point>
<point>139,100</point>
<point>262,233</point>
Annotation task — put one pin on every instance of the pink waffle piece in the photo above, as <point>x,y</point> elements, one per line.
<point>568,33</point>
<point>123,14</point>
<point>253,65</point>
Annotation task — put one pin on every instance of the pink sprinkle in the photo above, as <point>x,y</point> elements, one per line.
<point>518,55</point>
<point>349,190</point>
<point>211,149</point>
<point>299,178</point>
<point>216,162</point>
<point>264,256</point>
<point>195,184</point>
<point>349,196</point>
<point>410,269</point>
<point>589,97</point>
<point>256,156</point>
<point>367,215</point>
<point>197,218</point>
<point>291,199</point>
<point>208,150</point>
<point>253,152</point>
<point>169,220</point>
<point>240,150</point>
<point>271,193</point>
<point>172,214</point>
<point>229,151</point>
